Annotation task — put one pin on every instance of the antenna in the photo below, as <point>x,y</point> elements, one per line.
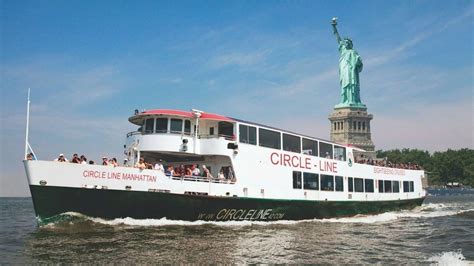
<point>27,124</point>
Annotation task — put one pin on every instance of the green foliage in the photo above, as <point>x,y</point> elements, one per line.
<point>442,167</point>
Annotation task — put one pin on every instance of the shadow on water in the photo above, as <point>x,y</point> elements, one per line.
<point>441,225</point>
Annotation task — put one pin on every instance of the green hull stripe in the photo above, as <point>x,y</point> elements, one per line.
<point>110,204</point>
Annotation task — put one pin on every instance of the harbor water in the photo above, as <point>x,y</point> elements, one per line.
<point>440,231</point>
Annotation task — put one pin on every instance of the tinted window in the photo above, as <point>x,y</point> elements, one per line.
<point>291,143</point>
<point>339,153</point>
<point>269,139</point>
<point>176,125</point>
<point>149,125</point>
<point>327,182</point>
<point>162,125</point>
<point>310,147</point>
<point>310,181</point>
<point>396,186</point>
<point>412,187</point>
<point>187,126</point>
<point>387,186</point>
<point>380,186</point>
<point>369,185</point>
<point>296,179</point>
<point>243,134</point>
<point>350,182</point>
<point>339,183</point>
<point>359,184</point>
<point>406,186</point>
<point>225,129</point>
<point>325,150</point>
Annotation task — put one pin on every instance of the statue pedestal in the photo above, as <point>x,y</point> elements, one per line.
<point>351,126</point>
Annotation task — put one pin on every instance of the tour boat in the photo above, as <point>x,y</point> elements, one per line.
<point>259,173</point>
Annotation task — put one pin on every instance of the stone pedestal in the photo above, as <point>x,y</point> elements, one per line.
<point>351,125</point>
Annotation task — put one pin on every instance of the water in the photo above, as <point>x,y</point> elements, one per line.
<point>441,231</point>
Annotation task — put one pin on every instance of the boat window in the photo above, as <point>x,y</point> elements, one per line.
<point>310,147</point>
<point>396,186</point>
<point>325,150</point>
<point>327,182</point>
<point>339,183</point>
<point>187,126</point>
<point>225,129</point>
<point>176,125</point>
<point>412,187</point>
<point>350,182</point>
<point>359,184</point>
<point>161,125</point>
<point>381,186</point>
<point>387,186</point>
<point>369,185</point>
<point>268,138</point>
<point>211,131</point>
<point>339,153</point>
<point>406,186</point>
<point>248,134</point>
<point>296,179</point>
<point>291,143</point>
<point>149,125</point>
<point>310,181</point>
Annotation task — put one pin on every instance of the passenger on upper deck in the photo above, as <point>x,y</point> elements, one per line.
<point>75,158</point>
<point>206,172</point>
<point>105,161</point>
<point>159,165</point>
<point>140,164</point>
<point>188,171</point>
<point>195,170</point>
<point>83,159</point>
<point>61,158</point>
<point>170,171</point>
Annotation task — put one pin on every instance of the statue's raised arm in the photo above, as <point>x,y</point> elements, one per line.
<point>334,24</point>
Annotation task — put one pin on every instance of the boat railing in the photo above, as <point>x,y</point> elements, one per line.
<point>149,132</point>
<point>226,137</point>
<point>202,179</point>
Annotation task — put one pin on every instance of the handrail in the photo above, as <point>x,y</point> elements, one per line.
<point>202,179</point>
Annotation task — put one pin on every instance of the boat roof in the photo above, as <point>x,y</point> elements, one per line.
<point>139,117</point>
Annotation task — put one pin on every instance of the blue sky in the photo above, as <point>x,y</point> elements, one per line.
<point>91,63</point>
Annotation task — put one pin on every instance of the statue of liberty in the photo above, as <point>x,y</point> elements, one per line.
<point>350,65</point>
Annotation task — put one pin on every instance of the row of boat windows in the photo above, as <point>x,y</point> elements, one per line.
<point>164,125</point>
<point>311,181</point>
<point>273,139</point>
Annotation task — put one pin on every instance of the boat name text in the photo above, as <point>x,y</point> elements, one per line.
<point>241,215</point>
<point>119,176</point>
<point>297,161</point>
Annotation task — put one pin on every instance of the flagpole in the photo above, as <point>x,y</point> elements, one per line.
<point>27,124</point>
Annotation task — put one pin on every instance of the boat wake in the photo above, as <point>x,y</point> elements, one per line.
<point>449,258</point>
<point>425,211</point>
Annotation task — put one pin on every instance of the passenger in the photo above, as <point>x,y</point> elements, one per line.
<point>177,171</point>
<point>221,174</point>
<point>328,156</point>
<point>29,157</point>
<point>114,162</point>
<point>75,158</point>
<point>206,172</point>
<point>61,158</point>
<point>159,165</point>
<point>105,161</point>
<point>182,170</point>
<point>195,170</point>
<point>188,171</point>
<point>83,159</point>
<point>110,163</point>
<point>149,166</point>
<point>170,171</point>
<point>140,164</point>
<point>91,162</point>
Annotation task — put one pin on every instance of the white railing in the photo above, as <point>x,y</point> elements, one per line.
<point>202,179</point>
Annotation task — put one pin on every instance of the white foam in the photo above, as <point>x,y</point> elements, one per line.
<point>449,258</point>
<point>166,222</point>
